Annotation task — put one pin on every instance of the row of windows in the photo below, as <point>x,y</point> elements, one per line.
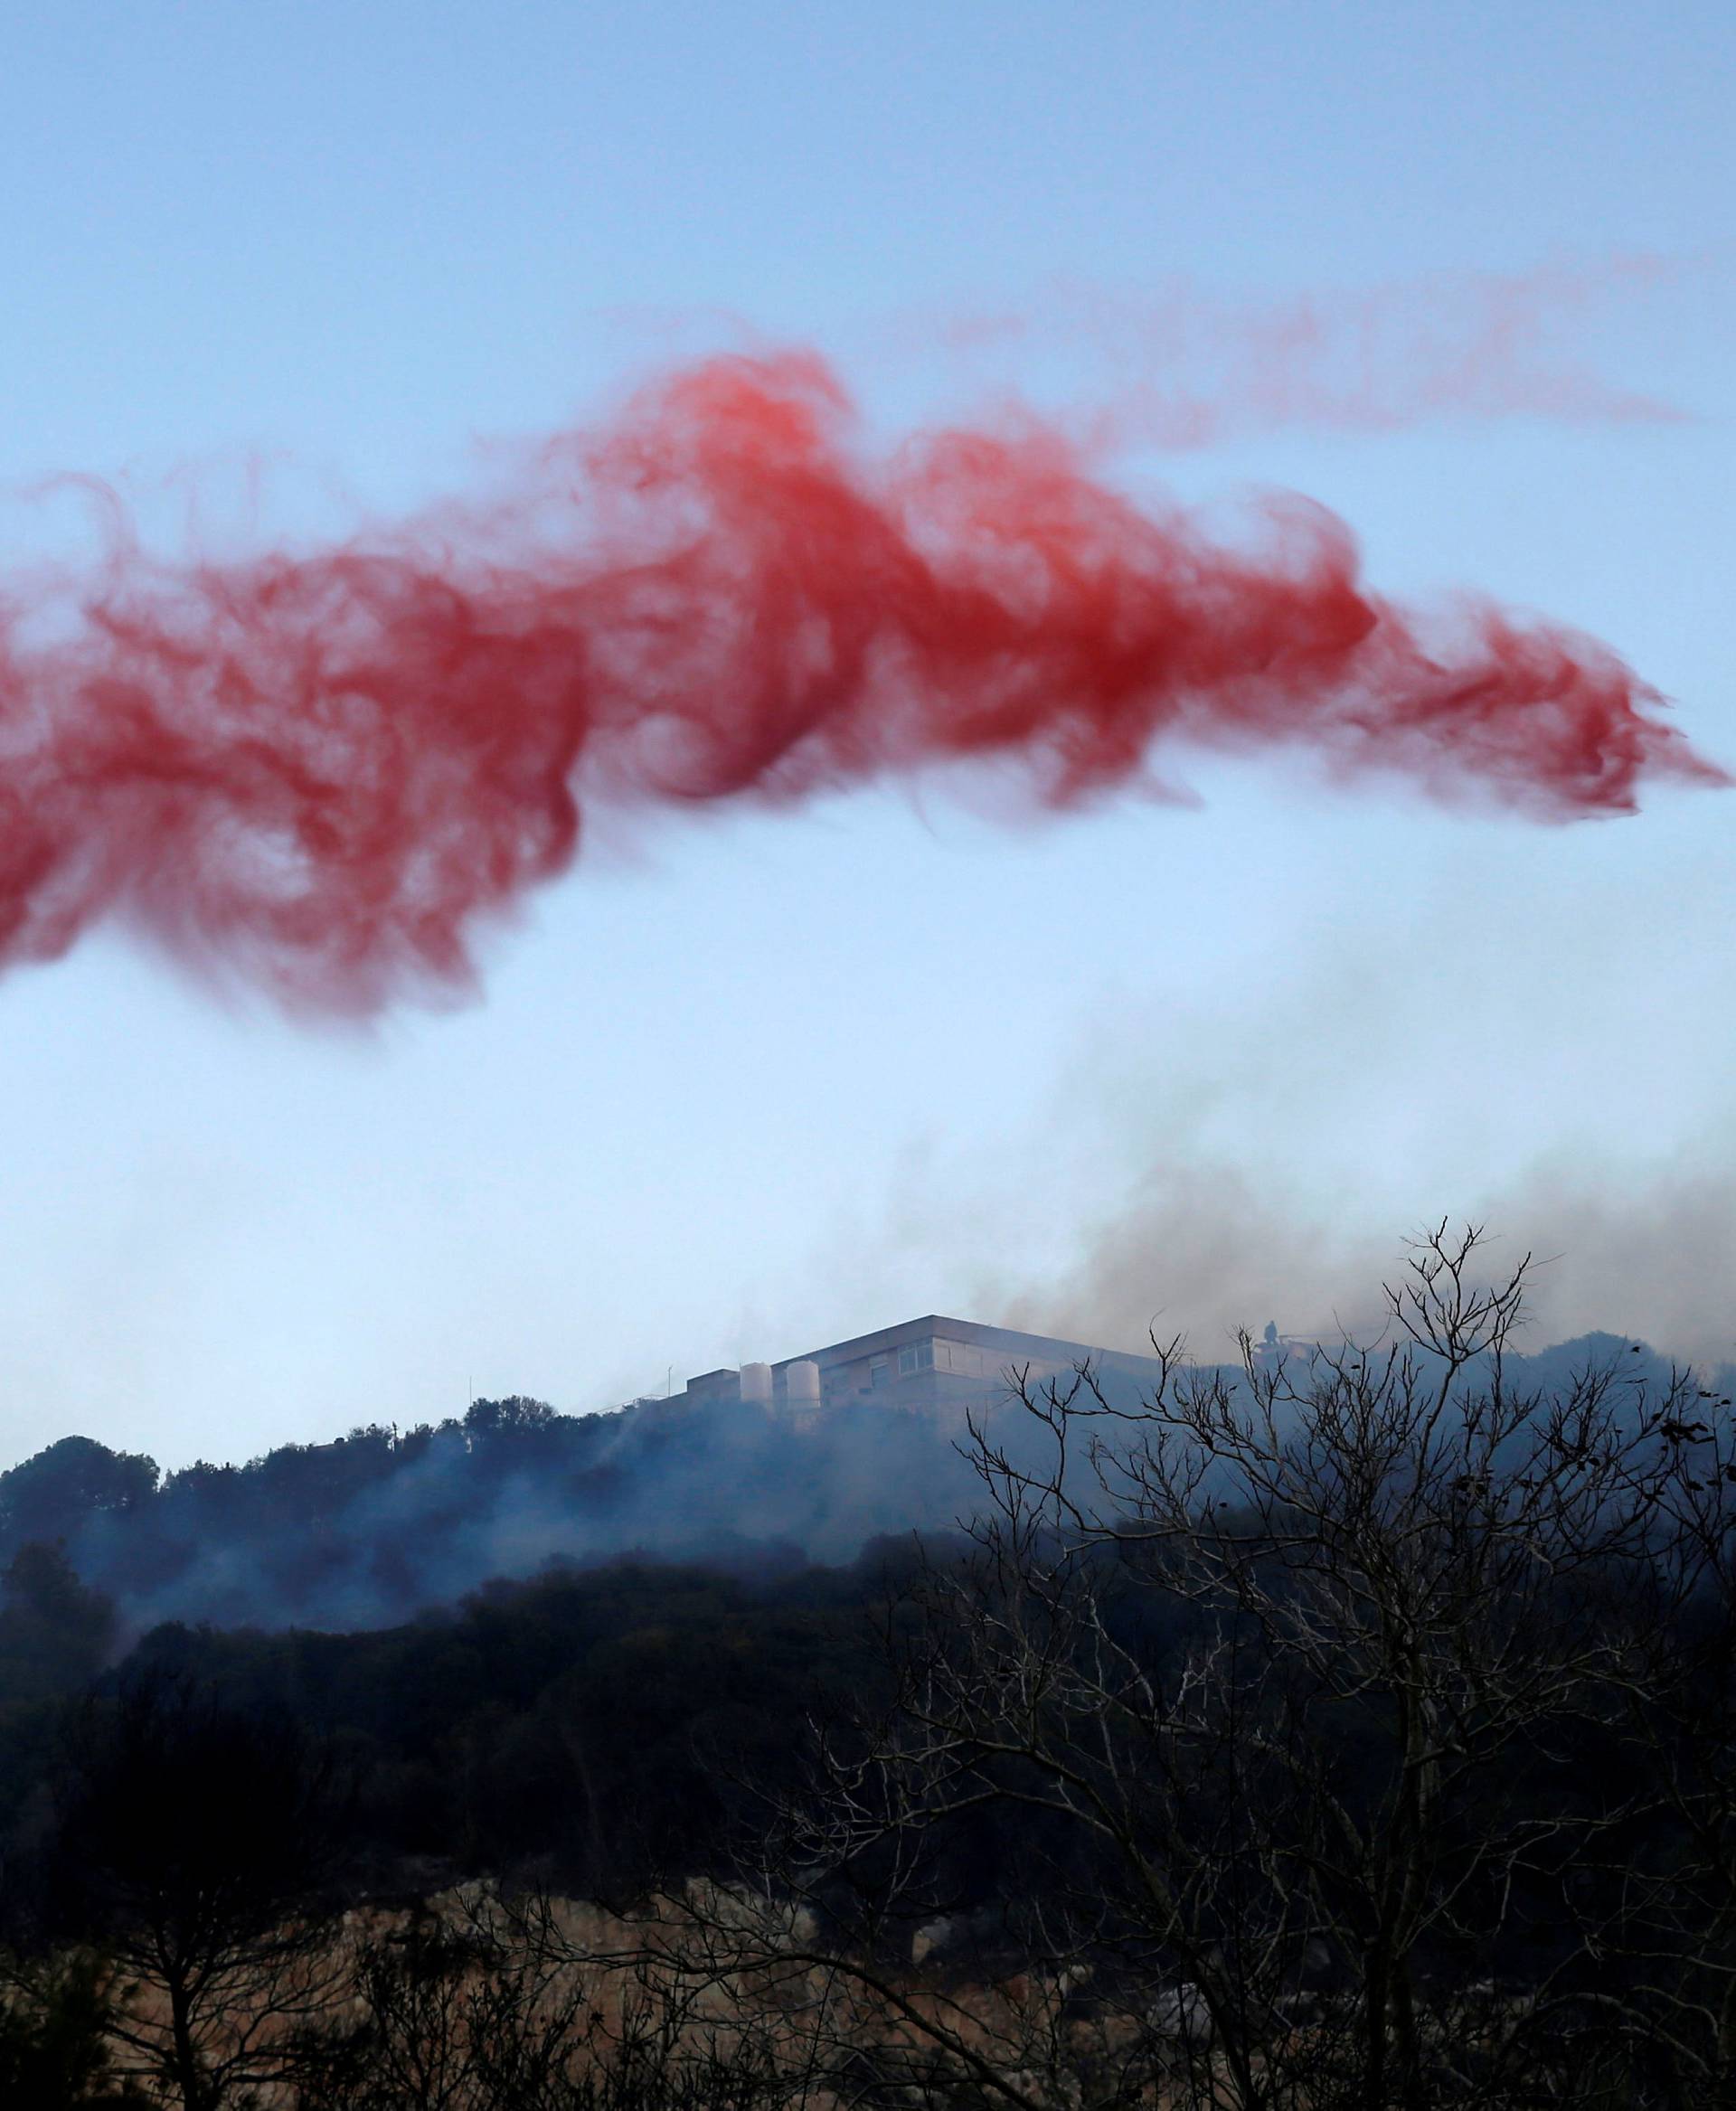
<point>916,1357</point>
<point>937,1356</point>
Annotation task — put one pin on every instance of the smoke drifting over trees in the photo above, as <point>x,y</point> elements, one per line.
<point>376,1526</point>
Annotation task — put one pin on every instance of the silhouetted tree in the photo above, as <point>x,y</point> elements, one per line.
<point>1278,1678</point>
<point>518,1411</point>
<point>54,2048</point>
<point>192,1842</point>
<point>55,1634</point>
<point>49,1497</point>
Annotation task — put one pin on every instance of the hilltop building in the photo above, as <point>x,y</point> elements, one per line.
<point>935,1367</point>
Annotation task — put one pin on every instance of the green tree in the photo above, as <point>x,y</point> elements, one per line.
<point>55,1633</point>
<point>54,2048</point>
<point>50,1496</point>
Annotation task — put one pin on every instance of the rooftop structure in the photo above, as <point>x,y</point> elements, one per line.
<point>933,1366</point>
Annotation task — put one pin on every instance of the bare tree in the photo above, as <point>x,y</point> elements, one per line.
<point>192,1841</point>
<point>1674,1881</point>
<point>1275,1679</point>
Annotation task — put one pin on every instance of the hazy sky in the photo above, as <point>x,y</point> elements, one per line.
<point>745,1085</point>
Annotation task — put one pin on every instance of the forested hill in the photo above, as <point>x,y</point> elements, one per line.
<point>605,1720</point>
<point>980,1748</point>
<point>379,1524</point>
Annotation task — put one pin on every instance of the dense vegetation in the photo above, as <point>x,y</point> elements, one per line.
<point>372,1528</point>
<point>1348,1732</point>
<point>376,1526</point>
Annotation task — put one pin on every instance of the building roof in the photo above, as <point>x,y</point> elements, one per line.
<point>1014,1346</point>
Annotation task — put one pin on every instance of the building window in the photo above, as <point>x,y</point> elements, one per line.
<point>918,1356</point>
<point>880,1369</point>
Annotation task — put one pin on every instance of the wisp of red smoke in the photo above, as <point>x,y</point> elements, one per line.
<point>327,770</point>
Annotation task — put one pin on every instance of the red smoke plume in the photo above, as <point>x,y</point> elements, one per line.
<point>1180,366</point>
<point>328,769</point>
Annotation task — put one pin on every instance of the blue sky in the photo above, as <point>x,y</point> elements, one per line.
<point>746,1086</point>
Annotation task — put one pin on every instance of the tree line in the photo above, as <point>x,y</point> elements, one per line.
<point>373,1527</point>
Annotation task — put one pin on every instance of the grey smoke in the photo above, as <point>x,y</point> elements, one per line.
<point>1201,1250</point>
<point>422,1522</point>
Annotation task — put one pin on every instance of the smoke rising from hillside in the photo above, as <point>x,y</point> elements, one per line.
<point>376,1527</point>
<point>328,770</point>
<point>373,1528</point>
<point>1202,1250</point>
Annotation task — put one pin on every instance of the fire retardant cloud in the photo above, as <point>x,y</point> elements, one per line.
<point>1180,367</point>
<point>328,769</point>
